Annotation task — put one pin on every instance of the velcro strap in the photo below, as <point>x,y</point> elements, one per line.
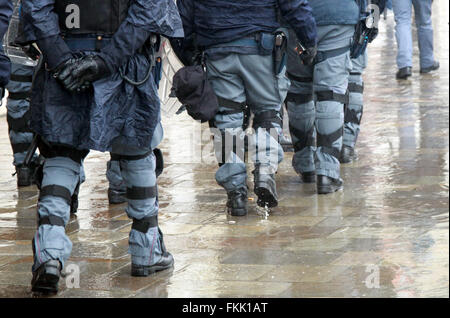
<point>20,147</point>
<point>235,106</point>
<point>299,79</point>
<point>328,140</point>
<point>55,150</point>
<point>19,124</point>
<point>116,157</point>
<point>266,119</point>
<point>305,139</point>
<point>51,220</point>
<point>323,96</point>
<point>21,78</point>
<point>142,193</point>
<point>299,98</point>
<point>144,224</point>
<point>19,95</point>
<point>56,191</point>
<point>352,116</point>
<point>355,88</point>
<point>324,55</point>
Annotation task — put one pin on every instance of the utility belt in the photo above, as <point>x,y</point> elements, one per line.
<point>324,55</point>
<point>260,43</point>
<point>94,43</point>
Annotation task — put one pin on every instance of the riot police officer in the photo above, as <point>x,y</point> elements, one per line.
<point>5,65</point>
<point>318,93</point>
<point>355,108</point>
<point>96,90</point>
<point>243,46</point>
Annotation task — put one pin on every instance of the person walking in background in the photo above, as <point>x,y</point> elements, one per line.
<point>403,16</point>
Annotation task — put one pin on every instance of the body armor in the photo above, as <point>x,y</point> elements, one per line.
<point>83,17</point>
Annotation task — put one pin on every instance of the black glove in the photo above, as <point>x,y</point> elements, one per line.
<point>77,75</point>
<point>307,55</point>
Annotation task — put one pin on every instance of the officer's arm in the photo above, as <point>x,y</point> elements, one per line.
<point>144,18</point>
<point>42,26</point>
<point>6,9</point>
<point>185,48</point>
<point>298,14</point>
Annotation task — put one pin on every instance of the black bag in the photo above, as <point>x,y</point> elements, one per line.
<point>193,90</point>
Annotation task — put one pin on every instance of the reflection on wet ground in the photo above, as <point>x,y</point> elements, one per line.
<point>391,219</point>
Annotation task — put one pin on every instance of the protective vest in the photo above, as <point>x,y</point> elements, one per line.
<point>99,17</point>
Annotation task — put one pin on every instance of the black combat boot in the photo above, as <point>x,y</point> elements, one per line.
<point>237,202</point>
<point>347,154</point>
<point>46,278</point>
<point>165,262</point>
<point>308,177</point>
<point>327,185</point>
<point>116,197</point>
<point>433,67</point>
<point>24,176</point>
<point>265,188</point>
<point>404,73</point>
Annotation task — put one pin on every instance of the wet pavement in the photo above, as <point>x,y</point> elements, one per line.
<point>385,235</point>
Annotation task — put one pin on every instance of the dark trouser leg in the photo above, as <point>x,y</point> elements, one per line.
<point>61,176</point>
<point>18,108</point>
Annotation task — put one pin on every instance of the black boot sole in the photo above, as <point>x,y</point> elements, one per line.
<point>237,212</point>
<point>144,271</point>
<point>265,197</point>
<point>24,182</point>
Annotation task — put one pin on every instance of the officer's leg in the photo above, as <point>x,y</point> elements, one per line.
<point>424,24</point>
<point>51,246</point>
<point>354,109</point>
<point>227,128</point>
<point>402,12</point>
<point>146,245</point>
<point>330,86</point>
<point>117,188</point>
<point>302,112</point>
<point>18,117</point>
<point>266,92</point>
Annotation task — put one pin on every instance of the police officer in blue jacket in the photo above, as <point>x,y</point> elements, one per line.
<point>318,93</point>
<point>243,46</point>
<point>6,8</point>
<point>96,90</point>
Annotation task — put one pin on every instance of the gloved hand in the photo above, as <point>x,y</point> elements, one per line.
<point>76,75</point>
<point>307,55</point>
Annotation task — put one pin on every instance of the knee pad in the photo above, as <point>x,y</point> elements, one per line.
<point>267,119</point>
